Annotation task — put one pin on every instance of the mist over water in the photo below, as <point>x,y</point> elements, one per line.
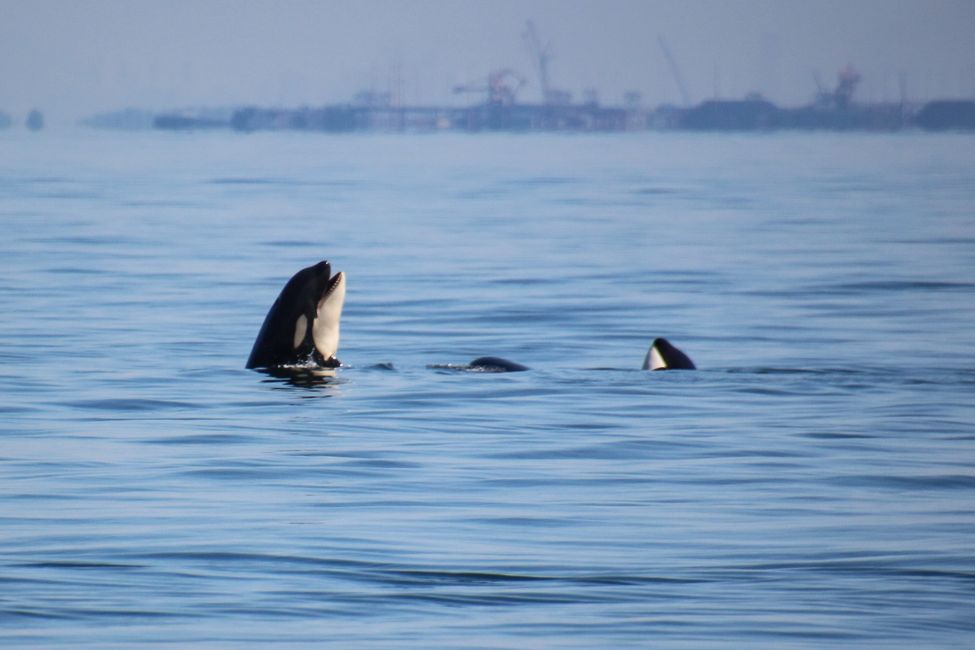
<point>809,486</point>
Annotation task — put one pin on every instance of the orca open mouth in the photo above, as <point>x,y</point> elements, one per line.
<point>333,283</point>
<point>328,314</point>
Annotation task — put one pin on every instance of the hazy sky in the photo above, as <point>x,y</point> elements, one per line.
<point>74,58</point>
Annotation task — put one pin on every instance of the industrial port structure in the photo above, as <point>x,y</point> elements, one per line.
<point>498,109</point>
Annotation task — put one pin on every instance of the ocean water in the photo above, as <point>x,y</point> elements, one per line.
<point>812,485</point>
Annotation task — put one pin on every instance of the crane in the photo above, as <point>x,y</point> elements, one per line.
<point>541,54</point>
<point>846,83</point>
<point>842,96</point>
<point>674,70</point>
<point>501,87</point>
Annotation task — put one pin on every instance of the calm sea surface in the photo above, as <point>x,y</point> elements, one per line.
<point>812,485</point>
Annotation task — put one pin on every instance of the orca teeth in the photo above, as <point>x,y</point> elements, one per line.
<point>333,282</point>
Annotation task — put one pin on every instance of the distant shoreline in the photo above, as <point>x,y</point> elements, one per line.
<point>753,114</point>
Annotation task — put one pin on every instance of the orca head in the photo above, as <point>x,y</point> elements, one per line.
<point>303,323</point>
<point>663,355</point>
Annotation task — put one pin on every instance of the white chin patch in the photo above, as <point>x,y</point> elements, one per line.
<point>301,326</point>
<point>656,361</point>
<point>325,329</point>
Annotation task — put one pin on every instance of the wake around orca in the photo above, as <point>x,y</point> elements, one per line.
<point>301,331</point>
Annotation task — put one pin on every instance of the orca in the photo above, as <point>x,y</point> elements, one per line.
<point>481,364</point>
<point>302,327</point>
<point>663,355</point>
<point>495,364</point>
<point>301,332</point>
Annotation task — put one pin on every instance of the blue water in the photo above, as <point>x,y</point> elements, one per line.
<point>812,485</point>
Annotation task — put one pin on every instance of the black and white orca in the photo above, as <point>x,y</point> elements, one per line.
<point>301,331</point>
<point>302,327</point>
<point>663,355</point>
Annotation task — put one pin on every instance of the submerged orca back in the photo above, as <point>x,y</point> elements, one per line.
<point>496,364</point>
